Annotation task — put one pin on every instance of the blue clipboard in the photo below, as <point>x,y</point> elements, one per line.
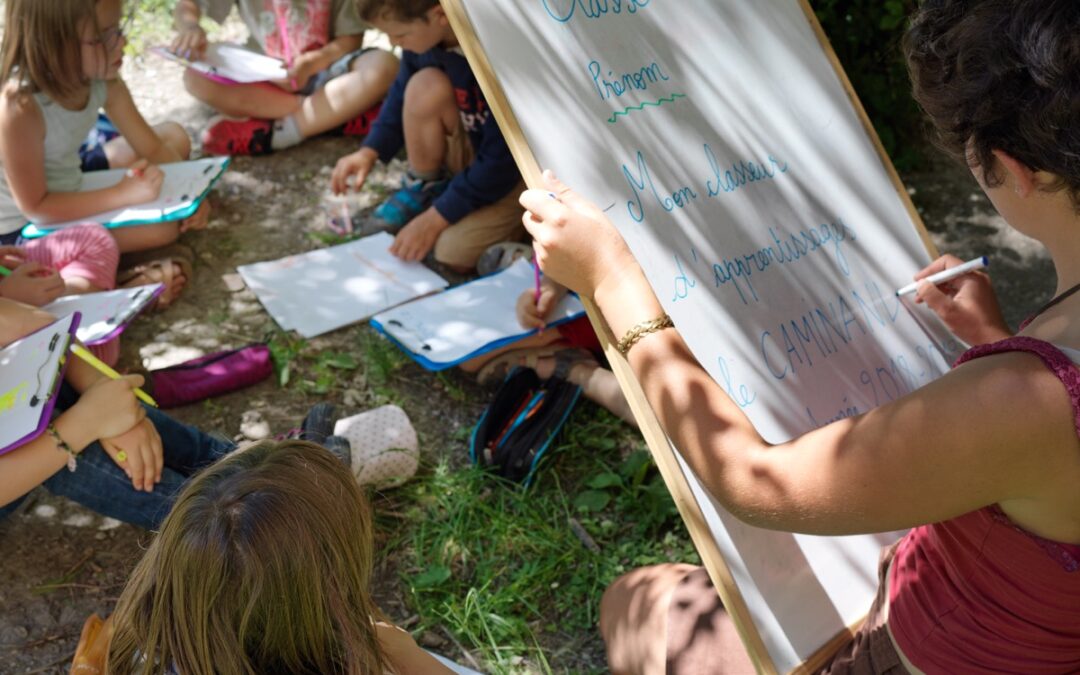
<point>415,341</point>
<point>436,366</point>
<point>186,185</point>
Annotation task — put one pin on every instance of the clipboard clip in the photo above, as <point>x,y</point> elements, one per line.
<point>36,398</point>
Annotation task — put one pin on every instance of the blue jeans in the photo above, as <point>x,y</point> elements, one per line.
<point>101,486</point>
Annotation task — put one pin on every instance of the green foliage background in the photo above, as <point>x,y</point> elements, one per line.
<point>866,35</point>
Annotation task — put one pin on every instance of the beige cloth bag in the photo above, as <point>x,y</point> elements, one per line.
<point>385,451</point>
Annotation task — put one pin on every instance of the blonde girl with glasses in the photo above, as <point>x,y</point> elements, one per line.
<point>59,66</point>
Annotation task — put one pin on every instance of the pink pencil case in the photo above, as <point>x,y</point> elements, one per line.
<point>211,375</point>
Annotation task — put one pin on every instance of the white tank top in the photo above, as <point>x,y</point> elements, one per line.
<point>65,131</point>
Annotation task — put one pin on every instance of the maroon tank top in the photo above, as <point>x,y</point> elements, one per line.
<point>978,593</point>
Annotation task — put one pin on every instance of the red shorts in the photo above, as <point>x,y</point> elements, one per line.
<point>580,333</point>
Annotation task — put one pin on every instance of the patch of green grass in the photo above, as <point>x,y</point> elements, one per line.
<point>516,575</point>
<point>153,25</point>
<point>381,358</point>
<point>313,371</point>
<point>452,387</point>
<point>285,349</point>
<point>327,369</point>
<point>329,238</point>
<point>225,244</point>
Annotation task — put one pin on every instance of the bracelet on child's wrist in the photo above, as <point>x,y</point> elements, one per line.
<point>635,334</point>
<point>62,445</point>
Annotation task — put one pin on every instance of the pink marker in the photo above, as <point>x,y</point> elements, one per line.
<point>347,219</point>
<point>536,265</point>
<point>283,31</point>
<point>536,276</point>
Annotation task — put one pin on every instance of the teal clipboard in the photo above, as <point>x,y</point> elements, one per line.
<point>186,185</point>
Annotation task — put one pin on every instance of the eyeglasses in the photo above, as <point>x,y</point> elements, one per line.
<point>110,38</point>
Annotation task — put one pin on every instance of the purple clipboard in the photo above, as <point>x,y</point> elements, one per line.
<point>63,332</point>
<point>122,323</point>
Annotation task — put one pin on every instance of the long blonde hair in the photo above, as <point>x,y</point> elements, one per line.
<point>263,566</point>
<point>42,45</point>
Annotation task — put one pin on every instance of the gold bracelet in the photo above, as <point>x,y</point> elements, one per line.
<point>634,335</point>
<point>62,445</point>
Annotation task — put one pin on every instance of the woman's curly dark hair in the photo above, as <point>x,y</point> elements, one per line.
<point>1002,75</point>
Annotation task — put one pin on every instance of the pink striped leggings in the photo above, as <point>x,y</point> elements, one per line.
<point>87,252</point>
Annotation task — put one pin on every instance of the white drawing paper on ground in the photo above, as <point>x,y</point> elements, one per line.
<point>445,329</point>
<point>105,314</point>
<point>184,187</point>
<point>323,290</point>
<point>231,64</point>
<point>30,370</point>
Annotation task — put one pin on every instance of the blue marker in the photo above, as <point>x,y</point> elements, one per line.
<point>947,275</point>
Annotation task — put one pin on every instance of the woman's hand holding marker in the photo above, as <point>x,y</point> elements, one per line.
<point>964,300</point>
<point>575,243</point>
<point>577,246</point>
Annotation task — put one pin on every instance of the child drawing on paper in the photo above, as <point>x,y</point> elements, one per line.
<point>459,195</point>
<point>333,83</point>
<point>50,103</point>
<point>983,464</point>
<point>569,351</point>
<point>129,459</point>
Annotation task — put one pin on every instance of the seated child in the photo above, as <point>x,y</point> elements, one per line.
<point>332,83</point>
<point>129,460</point>
<point>49,105</point>
<point>570,351</point>
<point>263,566</point>
<point>78,259</point>
<point>460,193</point>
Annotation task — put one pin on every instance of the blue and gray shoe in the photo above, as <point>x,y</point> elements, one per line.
<point>413,198</point>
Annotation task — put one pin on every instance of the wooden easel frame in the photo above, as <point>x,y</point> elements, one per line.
<point>654,435</point>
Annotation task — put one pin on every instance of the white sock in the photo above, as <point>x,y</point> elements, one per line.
<point>286,133</point>
<point>425,176</point>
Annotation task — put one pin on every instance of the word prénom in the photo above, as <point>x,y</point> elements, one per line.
<point>623,83</point>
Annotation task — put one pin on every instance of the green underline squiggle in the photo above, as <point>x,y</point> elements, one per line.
<point>668,99</point>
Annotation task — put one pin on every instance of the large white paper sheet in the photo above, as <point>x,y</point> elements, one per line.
<point>322,290</point>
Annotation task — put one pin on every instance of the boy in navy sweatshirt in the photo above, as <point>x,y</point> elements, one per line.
<point>461,190</point>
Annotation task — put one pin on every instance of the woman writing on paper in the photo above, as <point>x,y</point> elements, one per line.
<point>59,64</point>
<point>983,464</point>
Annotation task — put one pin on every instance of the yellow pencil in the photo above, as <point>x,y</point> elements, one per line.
<point>104,369</point>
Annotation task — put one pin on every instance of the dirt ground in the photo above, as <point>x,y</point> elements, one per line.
<point>60,562</point>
